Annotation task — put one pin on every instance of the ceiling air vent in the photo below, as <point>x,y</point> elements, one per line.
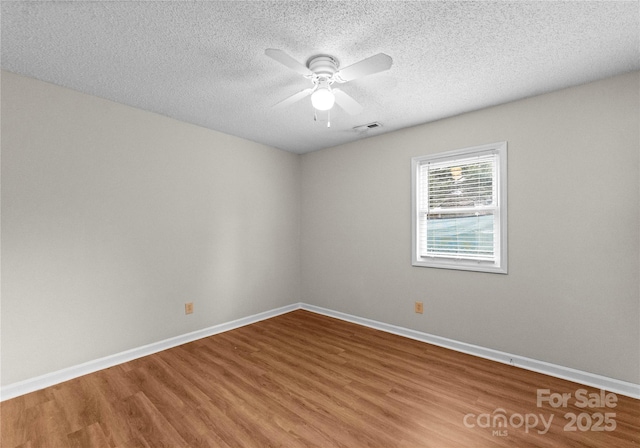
<point>366,127</point>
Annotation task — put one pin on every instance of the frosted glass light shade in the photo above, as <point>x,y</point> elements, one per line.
<point>323,99</point>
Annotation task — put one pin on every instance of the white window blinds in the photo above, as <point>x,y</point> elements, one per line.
<point>457,207</point>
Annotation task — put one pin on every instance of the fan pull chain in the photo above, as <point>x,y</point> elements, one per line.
<point>315,117</point>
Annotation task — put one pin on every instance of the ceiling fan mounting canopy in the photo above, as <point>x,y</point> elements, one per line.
<point>323,65</point>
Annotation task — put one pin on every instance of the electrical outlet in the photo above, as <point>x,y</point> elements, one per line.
<point>188,308</point>
<point>419,308</point>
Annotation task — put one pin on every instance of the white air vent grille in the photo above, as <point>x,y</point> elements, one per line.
<point>366,127</point>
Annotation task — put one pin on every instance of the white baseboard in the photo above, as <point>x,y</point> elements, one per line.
<point>589,379</point>
<point>578,376</point>
<point>50,379</point>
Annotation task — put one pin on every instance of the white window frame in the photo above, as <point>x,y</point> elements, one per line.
<point>500,263</point>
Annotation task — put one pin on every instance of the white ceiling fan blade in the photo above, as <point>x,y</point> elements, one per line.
<point>287,60</point>
<point>293,98</point>
<point>374,64</point>
<point>350,105</point>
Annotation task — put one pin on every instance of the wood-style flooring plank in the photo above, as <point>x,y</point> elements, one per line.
<point>306,380</point>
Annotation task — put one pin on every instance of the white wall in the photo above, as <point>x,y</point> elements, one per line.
<point>113,218</point>
<point>572,295</point>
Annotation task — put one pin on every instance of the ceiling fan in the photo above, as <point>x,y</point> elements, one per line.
<point>322,71</point>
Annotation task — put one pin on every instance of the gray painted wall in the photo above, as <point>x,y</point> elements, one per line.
<point>113,218</point>
<point>571,296</point>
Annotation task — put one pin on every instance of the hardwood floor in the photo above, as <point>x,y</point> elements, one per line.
<point>303,379</point>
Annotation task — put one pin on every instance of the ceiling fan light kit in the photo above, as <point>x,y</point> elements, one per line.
<point>323,98</point>
<point>322,71</point>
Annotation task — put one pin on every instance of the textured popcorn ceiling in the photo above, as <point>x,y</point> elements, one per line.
<point>204,62</point>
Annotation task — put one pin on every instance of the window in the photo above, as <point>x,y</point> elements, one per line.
<point>459,208</point>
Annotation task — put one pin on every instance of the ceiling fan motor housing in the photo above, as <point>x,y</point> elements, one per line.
<point>323,65</point>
